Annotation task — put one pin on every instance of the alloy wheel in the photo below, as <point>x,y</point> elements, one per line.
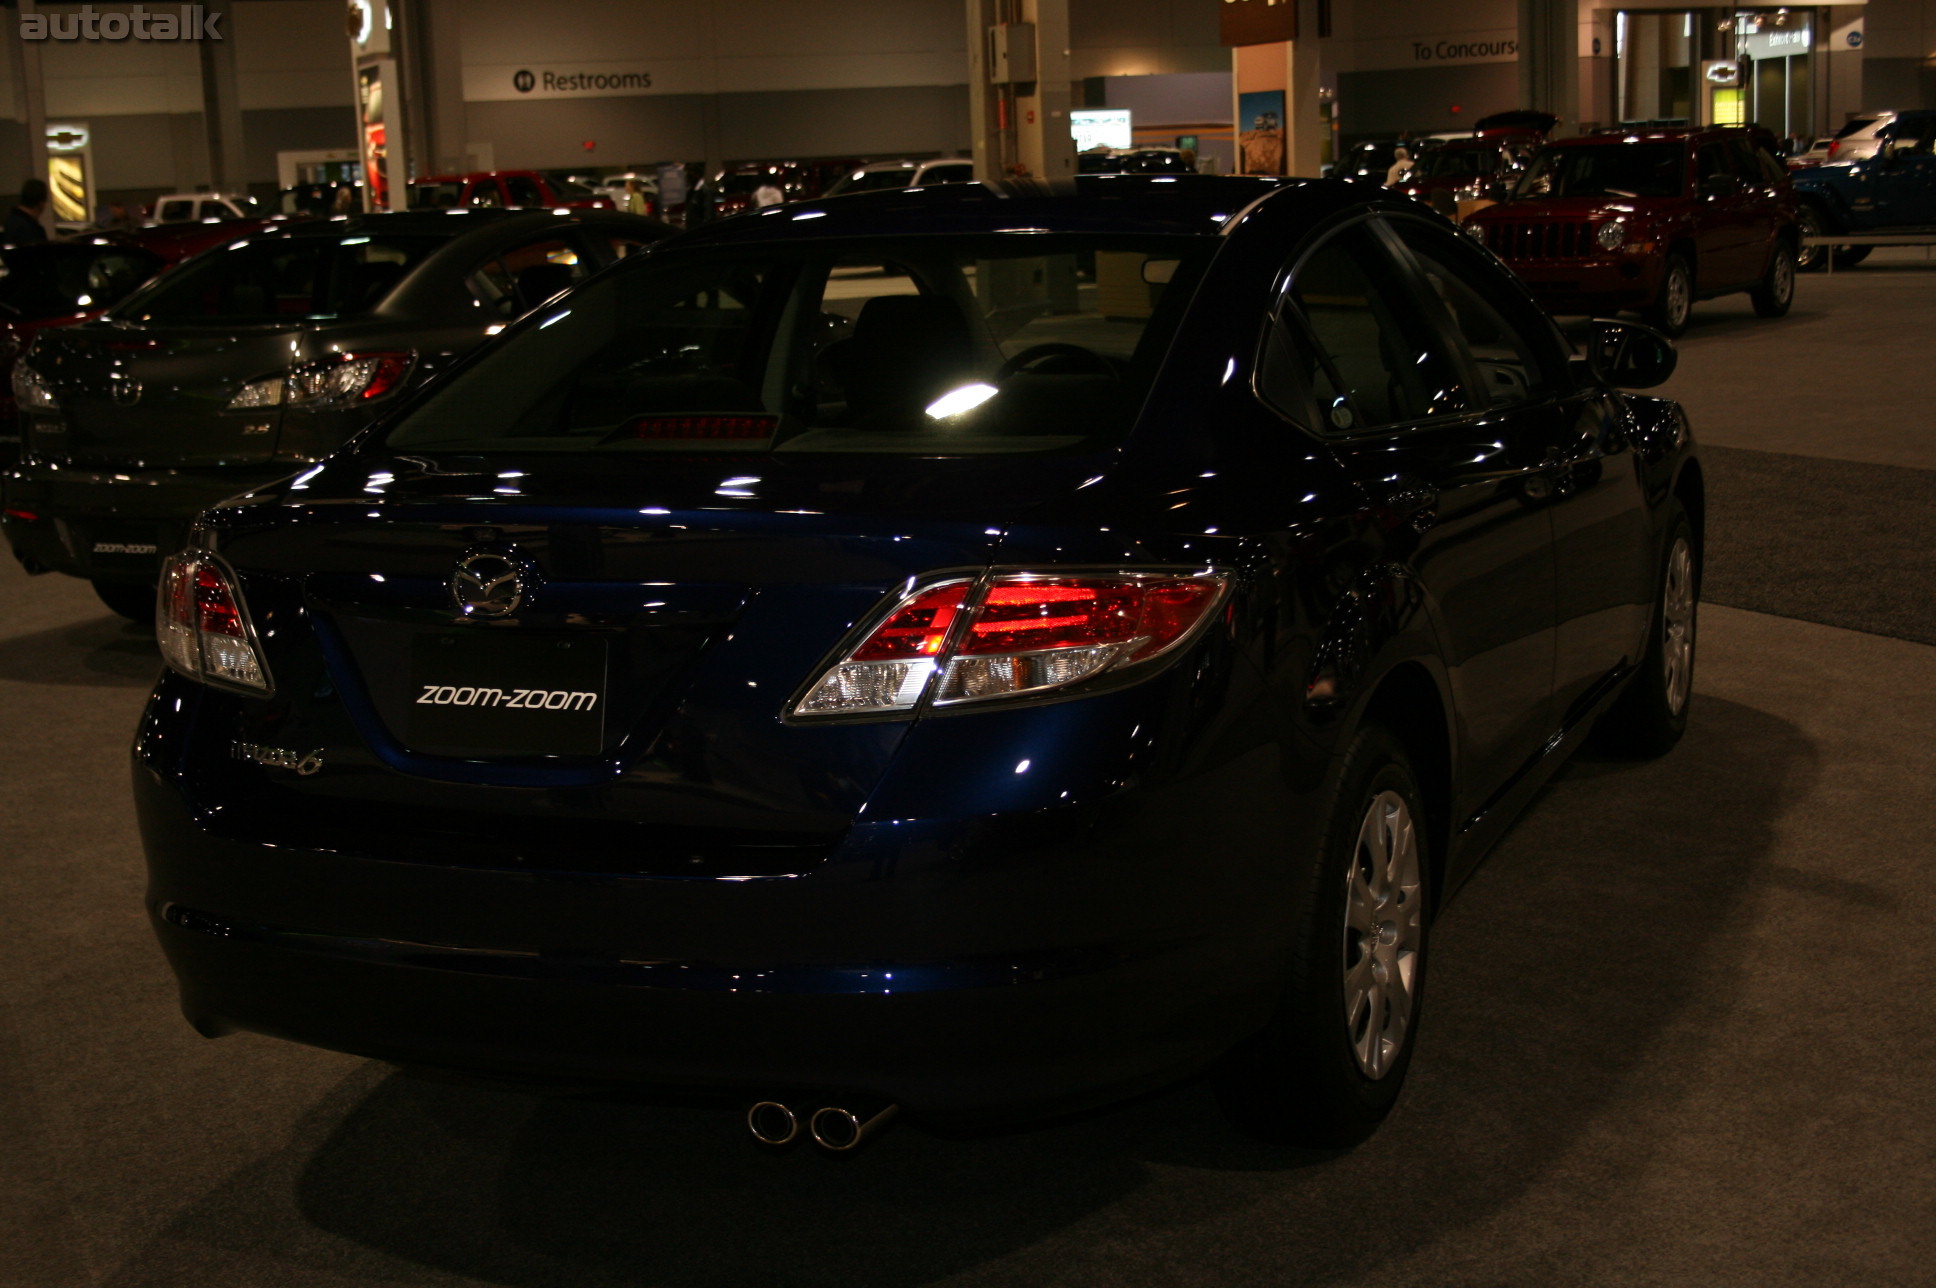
<point>1783,277</point>
<point>1677,626</point>
<point>1680,300</point>
<point>1384,931</point>
<point>1809,224</point>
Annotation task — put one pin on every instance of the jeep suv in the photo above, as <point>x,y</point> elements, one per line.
<point>1891,187</point>
<point>1651,220</point>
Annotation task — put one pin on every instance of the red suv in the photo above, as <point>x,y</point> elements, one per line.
<point>1652,220</point>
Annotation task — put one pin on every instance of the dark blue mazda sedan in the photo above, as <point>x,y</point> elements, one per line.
<point>971,651</point>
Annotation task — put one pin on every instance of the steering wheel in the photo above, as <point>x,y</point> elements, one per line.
<point>1057,349</point>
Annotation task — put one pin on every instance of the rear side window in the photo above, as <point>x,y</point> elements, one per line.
<point>436,196</point>
<point>948,174</point>
<point>1354,341</point>
<point>282,279</point>
<point>484,193</point>
<point>526,276</point>
<point>175,211</point>
<point>1506,338</point>
<point>524,190</point>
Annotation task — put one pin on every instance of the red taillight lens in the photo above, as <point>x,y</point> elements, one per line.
<point>215,610</point>
<point>918,628</point>
<point>201,626</point>
<point>385,372</point>
<point>1027,633</point>
<point>1834,147</point>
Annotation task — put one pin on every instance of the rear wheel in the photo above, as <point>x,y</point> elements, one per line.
<point>1810,222</point>
<point>136,603</point>
<point>1651,715</point>
<point>1850,256</point>
<point>1329,1068</point>
<point>1775,292</point>
<point>1674,302</point>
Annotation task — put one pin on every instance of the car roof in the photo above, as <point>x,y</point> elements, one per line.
<point>1614,135</point>
<point>1096,203</point>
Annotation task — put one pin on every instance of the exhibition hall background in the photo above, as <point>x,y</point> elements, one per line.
<point>733,80</point>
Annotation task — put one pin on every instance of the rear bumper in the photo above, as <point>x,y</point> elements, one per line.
<point>968,969</point>
<point>113,525</point>
<point>1592,285</point>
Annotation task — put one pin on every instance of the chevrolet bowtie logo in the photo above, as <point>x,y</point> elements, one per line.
<point>487,585</point>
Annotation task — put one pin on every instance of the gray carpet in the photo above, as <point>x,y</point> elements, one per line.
<point>1841,542</point>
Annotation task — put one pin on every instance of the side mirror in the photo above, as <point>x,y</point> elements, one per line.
<point>1720,185</point>
<point>1628,355</point>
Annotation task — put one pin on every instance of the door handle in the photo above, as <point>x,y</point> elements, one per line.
<point>1410,498</point>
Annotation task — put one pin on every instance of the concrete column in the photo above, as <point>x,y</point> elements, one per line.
<point>222,109</point>
<point>1304,128</point>
<point>32,105</point>
<point>1043,143</point>
<point>434,89</point>
<point>1021,127</point>
<point>991,161</point>
<point>1549,60</point>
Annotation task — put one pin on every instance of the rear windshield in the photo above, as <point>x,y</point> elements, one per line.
<point>278,279</point>
<point>1607,170</point>
<point>435,196</point>
<point>935,345</point>
<point>872,181</point>
<point>1456,163</point>
<point>50,281</point>
<point>1855,126</point>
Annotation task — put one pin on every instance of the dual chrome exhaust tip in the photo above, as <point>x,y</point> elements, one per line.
<point>832,1127</point>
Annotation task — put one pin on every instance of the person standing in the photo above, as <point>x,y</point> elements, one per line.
<point>23,225</point>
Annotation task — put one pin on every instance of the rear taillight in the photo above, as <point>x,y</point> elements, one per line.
<point>1834,147</point>
<point>1011,634</point>
<point>202,626</point>
<point>344,380</point>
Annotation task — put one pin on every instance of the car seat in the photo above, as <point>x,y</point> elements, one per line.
<point>906,351</point>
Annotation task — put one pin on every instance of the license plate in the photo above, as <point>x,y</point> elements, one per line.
<point>509,692</point>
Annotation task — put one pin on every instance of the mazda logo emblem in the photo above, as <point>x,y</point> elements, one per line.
<point>126,392</point>
<point>487,585</point>
<point>524,81</point>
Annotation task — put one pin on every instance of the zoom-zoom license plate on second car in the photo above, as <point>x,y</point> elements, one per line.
<point>508,692</point>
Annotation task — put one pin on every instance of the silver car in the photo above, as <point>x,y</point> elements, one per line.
<point>877,175</point>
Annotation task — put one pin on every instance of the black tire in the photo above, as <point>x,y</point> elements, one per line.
<point>1650,716</point>
<point>1775,292</point>
<point>1811,222</point>
<point>1850,256</point>
<point>1329,1068</point>
<point>134,602</point>
<point>1673,303</point>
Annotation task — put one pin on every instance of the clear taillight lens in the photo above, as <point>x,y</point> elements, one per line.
<point>1012,634</point>
<point>31,392</point>
<point>202,627</point>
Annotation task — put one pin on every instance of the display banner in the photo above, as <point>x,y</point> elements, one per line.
<point>1101,127</point>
